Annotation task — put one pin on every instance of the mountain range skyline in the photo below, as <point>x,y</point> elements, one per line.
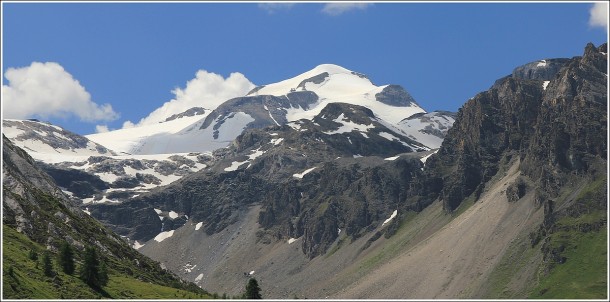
<point>106,66</point>
<point>328,185</point>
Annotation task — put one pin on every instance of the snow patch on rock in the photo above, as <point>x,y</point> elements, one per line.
<point>164,235</point>
<point>391,217</point>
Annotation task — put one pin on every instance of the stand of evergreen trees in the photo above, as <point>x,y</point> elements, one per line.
<point>92,271</point>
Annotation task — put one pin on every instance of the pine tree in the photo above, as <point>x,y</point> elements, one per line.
<point>90,271</point>
<point>33,255</point>
<point>253,291</point>
<point>103,274</point>
<point>66,258</point>
<point>47,266</point>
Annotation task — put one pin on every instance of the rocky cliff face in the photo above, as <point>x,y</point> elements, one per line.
<point>395,95</point>
<point>571,126</point>
<point>266,110</point>
<point>553,126</point>
<point>312,179</point>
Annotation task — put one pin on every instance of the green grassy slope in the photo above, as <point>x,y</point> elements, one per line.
<point>27,280</point>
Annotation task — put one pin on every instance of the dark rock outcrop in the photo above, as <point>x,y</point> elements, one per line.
<point>395,95</point>
<point>190,112</point>
<point>555,130</point>
<point>267,110</point>
<point>80,183</point>
<point>318,79</point>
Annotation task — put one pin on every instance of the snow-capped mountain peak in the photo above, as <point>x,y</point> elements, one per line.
<point>317,77</point>
<point>301,97</point>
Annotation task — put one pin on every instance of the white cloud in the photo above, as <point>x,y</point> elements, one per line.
<point>275,7</point>
<point>207,90</point>
<point>128,124</point>
<point>101,128</point>
<point>46,90</point>
<point>598,15</point>
<point>335,9</point>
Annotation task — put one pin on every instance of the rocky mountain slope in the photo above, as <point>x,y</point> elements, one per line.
<point>90,173</point>
<point>516,170</point>
<point>336,189</point>
<point>33,206</point>
<point>281,167</point>
<point>524,166</point>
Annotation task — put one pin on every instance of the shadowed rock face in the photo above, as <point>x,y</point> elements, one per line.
<point>571,126</point>
<point>395,95</point>
<point>190,112</point>
<point>555,130</point>
<point>315,80</point>
<point>254,106</point>
<point>291,206</point>
<point>544,70</point>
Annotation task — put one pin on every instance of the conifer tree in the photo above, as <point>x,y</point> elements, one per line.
<point>47,266</point>
<point>66,258</point>
<point>253,291</point>
<point>103,274</point>
<point>90,270</point>
<point>33,255</point>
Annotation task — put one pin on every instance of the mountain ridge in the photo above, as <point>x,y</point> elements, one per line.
<point>340,202</point>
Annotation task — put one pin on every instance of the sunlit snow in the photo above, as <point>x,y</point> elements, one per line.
<point>391,217</point>
<point>425,158</point>
<point>546,83</point>
<point>164,235</point>
<point>137,245</point>
<point>300,175</point>
<point>236,164</point>
<point>542,63</point>
<point>277,141</point>
<point>341,85</point>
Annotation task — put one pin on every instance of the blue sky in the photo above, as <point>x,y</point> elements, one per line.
<point>122,61</point>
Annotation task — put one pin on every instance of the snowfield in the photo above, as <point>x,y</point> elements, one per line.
<point>341,85</point>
